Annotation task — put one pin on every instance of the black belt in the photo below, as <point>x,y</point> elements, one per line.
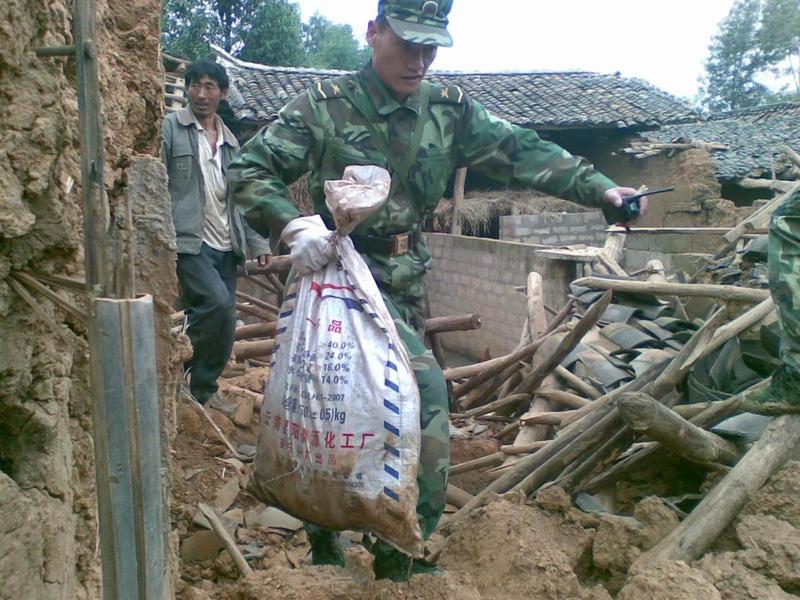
<point>393,245</point>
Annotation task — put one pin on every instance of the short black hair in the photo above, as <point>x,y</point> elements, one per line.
<point>207,68</point>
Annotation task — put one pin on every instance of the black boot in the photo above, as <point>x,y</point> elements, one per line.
<point>325,547</point>
<point>396,566</point>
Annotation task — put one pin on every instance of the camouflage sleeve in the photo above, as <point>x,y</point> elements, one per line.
<point>276,156</point>
<point>519,157</point>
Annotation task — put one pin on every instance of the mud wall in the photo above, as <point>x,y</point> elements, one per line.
<point>697,200</point>
<point>47,507</point>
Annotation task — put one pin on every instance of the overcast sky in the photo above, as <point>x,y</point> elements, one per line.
<point>662,41</point>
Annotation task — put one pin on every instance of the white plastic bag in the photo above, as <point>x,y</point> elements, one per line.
<point>339,436</point>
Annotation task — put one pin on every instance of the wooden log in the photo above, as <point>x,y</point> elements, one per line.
<point>793,156</point>
<point>458,200</point>
<point>456,496</point>
<point>263,283</point>
<point>467,322</point>
<point>490,460</point>
<point>257,330</point>
<point>711,414</point>
<point>567,344</point>
<point>723,292</point>
<point>76,312</point>
<point>255,311</point>
<point>216,524</point>
<point>277,264</point>
<point>576,383</point>
<point>758,219</point>
<point>526,449</point>
<point>644,415</point>
<point>603,425</point>
<point>498,367</point>
<point>764,184</point>
<point>702,527</point>
<point>480,396</point>
<point>563,398</point>
<point>244,350</point>
<point>257,302</point>
<point>499,404</point>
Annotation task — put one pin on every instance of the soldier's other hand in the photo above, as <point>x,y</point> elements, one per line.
<point>615,196</point>
<point>310,245</point>
<point>263,260</point>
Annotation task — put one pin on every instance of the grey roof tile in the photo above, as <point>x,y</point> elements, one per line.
<point>754,137</point>
<point>541,100</point>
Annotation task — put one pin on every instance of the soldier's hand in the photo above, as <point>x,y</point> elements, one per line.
<point>310,244</point>
<point>615,196</point>
<point>263,260</point>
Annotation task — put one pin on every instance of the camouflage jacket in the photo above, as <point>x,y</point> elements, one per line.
<point>334,124</point>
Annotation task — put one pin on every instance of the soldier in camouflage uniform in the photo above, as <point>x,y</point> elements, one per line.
<point>784,282</point>
<point>387,115</point>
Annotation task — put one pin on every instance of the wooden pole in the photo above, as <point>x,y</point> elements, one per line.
<point>258,330</point>
<point>466,322</point>
<point>458,200</point>
<point>702,527</point>
<point>645,415</point>
<point>722,292</point>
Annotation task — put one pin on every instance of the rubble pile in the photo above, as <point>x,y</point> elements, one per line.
<point>620,451</point>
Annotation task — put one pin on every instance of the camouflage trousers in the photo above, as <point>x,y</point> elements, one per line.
<point>433,415</point>
<point>784,277</point>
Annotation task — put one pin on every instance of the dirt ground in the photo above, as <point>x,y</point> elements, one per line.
<point>511,548</point>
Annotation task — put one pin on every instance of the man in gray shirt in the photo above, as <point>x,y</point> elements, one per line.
<point>210,232</point>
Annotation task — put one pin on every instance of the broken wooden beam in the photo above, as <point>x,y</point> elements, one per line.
<point>467,322</point>
<point>688,541</point>
<point>490,460</point>
<point>243,350</point>
<point>722,292</point>
<point>277,264</point>
<point>646,416</point>
<point>257,330</point>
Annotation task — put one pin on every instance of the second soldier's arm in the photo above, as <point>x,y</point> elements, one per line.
<point>276,156</point>
<point>519,157</point>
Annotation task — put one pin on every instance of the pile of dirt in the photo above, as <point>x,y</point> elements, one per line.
<point>516,550</point>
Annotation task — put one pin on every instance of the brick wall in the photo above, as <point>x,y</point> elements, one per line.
<point>477,275</point>
<point>555,229</point>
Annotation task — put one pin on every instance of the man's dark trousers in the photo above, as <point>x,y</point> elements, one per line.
<point>208,294</point>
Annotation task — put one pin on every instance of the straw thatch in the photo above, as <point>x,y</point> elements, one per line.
<point>482,210</point>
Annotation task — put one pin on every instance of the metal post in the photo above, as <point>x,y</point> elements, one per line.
<point>128,450</point>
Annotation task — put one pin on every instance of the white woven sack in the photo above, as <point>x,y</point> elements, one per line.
<point>339,435</point>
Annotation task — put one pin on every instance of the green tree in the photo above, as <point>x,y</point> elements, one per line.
<point>735,60</point>
<point>274,35</point>
<point>188,27</point>
<point>265,31</point>
<point>779,38</point>
<point>332,46</point>
<point>262,31</point>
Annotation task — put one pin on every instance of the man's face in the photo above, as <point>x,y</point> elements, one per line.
<point>204,97</point>
<point>401,65</point>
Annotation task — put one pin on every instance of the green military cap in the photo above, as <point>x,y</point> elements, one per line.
<point>418,21</point>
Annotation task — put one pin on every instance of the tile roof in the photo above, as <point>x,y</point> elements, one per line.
<point>541,100</point>
<point>754,138</point>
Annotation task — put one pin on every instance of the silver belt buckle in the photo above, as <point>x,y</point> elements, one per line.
<point>400,245</point>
